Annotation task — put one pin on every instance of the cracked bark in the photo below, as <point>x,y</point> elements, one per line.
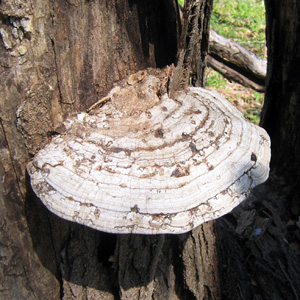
<point>193,46</point>
<point>68,57</point>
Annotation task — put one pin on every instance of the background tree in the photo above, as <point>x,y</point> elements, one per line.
<point>259,243</point>
<point>282,105</point>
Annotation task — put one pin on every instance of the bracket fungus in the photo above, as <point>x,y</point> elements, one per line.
<point>148,164</point>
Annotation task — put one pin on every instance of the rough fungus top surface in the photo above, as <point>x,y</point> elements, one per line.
<point>145,163</point>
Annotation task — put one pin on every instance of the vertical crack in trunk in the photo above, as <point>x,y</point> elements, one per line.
<point>54,53</point>
<point>12,160</point>
<point>28,282</point>
<point>56,71</point>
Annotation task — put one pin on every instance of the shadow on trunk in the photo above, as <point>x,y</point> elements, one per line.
<point>167,266</point>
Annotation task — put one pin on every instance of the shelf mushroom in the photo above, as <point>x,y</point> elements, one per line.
<point>148,164</point>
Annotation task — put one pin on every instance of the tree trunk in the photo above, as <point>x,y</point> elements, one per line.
<point>57,58</point>
<point>281,113</point>
<point>259,242</point>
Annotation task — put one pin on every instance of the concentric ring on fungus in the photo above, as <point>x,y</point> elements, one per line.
<point>148,164</point>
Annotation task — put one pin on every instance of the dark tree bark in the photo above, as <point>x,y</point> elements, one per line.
<point>259,241</point>
<point>58,58</point>
<point>193,46</point>
<point>282,104</point>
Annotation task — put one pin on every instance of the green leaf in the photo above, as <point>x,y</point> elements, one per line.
<point>181,3</point>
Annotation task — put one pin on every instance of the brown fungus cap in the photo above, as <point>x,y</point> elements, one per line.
<point>150,164</point>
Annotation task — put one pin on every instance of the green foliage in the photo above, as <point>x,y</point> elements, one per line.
<point>181,3</point>
<point>242,21</point>
<point>254,117</point>
<point>215,79</point>
<point>259,97</point>
<point>252,112</point>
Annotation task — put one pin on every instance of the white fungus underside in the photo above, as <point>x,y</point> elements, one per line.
<point>179,164</point>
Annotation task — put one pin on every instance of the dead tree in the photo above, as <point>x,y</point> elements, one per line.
<point>236,63</point>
